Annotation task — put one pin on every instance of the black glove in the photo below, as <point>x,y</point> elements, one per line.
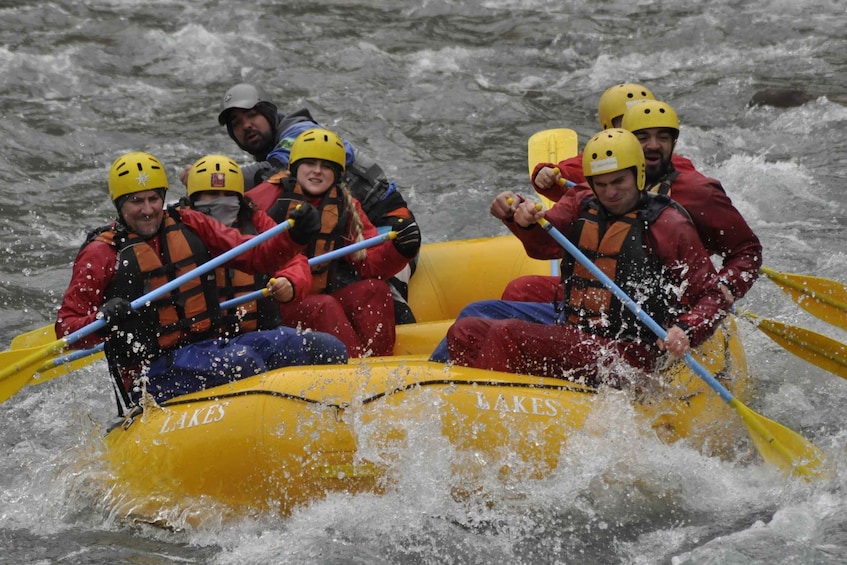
<point>116,310</point>
<point>408,240</point>
<point>307,223</point>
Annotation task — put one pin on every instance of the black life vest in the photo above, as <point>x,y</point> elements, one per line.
<point>616,245</point>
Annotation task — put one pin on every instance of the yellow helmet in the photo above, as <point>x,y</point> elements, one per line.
<point>317,144</point>
<point>650,114</point>
<point>215,172</point>
<point>136,172</point>
<point>613,150</point>
<point>616,99</point>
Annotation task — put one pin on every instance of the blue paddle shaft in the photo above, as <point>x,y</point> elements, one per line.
<point>632,306</point>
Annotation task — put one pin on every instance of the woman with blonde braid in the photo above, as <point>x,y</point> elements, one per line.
<point>350,297</point>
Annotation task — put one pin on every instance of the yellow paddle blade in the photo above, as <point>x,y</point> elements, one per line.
<point>551,146</point>
<point>20,366</point>
<point>34,338</point>
<point>817,349</point>
<point>15,376</point>
<point>780,446</point>
<point>10,386</point>
<point>823,298</point>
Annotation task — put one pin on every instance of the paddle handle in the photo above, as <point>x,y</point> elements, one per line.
<point>633,307</point>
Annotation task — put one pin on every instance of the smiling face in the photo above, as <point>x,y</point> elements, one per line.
<point>315,176</point>
<point>617,191</point>
<point>143,212</point>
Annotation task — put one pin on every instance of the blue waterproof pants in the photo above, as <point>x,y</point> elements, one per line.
<point>218,361</point>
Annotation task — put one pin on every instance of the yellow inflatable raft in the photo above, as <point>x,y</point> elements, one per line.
<point>275,441</point>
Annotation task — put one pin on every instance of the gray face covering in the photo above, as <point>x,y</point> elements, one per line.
<point>223,209</point>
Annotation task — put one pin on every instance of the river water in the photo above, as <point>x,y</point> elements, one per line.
<point>444,93</point>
